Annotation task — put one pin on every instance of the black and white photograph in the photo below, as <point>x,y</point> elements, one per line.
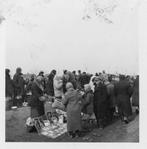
<point>71,70</point>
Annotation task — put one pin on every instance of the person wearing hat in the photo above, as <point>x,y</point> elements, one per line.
<point>72,102</point>
<point>49,85</point>
<point>19,83</point>
<point>36,104</point>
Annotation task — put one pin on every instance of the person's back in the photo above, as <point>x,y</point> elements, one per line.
<point>100,93</point>
<point>122,88</point>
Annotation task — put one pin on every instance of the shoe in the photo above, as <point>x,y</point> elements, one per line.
<point>126,121</point>
<point>137,111</point>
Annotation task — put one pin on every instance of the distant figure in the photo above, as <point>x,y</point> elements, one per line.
<point>85,79</point>
<point>50,85</point>
<point>79,79</point>
<point>19,83</point>
<point>135,96</point>
<point>123,93</point>
<point>37,106</point>
<point>72,103</point>
<point>9,90</point>
<point>41,73</point>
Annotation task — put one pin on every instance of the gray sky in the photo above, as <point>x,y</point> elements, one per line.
<point>52,34</point>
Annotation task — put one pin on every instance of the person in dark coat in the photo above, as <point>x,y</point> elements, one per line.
<point>111,99</point>
<point>100,102</point>
<point>85,79</point>
<point>135,96</point>
<point>19,83</point>
<point>72,102</point>
<point>9,90</point>
<point>49,86</point>
<point>123,93</point>
<point>37,106</point>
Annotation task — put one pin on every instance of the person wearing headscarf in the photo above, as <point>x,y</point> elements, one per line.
<point>100,102</point>
<point>72,102</point>
<point>123,93</point>
<point>88,100</point>
<point>19,83</point>
<point>36,104</point>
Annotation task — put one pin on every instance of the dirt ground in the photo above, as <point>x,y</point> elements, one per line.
<point>116,132</point>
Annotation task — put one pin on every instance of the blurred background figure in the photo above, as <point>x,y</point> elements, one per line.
<point>100,102</point>
<point>37,106</point>
<point>135,96</point>
<point>19,83</point>
<point>123,92</point>
<point>9,89</point>
<point>49,85</point>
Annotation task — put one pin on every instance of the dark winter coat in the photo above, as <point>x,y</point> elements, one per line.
<point>100,101</point>
<point>111,95</point>
<point>9,90</point>
<point>123,93</point>
<point>49,86</point>
<point>37,106</point>
<point>135,96</point>
<point>19,83</point>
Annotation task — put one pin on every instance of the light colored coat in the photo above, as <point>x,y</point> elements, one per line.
<point>72,102</point>
<point>58,86</point>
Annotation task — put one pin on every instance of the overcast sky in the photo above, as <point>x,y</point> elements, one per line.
<point>53,35</point>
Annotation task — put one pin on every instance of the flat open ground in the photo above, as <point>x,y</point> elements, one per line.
<point>116,132</point>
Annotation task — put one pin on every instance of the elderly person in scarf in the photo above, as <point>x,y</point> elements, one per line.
<point>72,102</point>
<point>37,102</point>
<point>88,101</point>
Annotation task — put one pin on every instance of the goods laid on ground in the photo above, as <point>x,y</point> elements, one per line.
<point>51,124</point>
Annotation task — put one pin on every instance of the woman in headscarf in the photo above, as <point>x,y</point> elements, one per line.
<point>72,102</point>
<point>88,100</point>
<point>36,103</point>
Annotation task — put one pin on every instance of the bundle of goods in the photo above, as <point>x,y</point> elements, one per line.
<point>87,117</point>
<point>51,125</point>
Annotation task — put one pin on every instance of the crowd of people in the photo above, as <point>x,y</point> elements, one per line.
<point>101,95</point>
